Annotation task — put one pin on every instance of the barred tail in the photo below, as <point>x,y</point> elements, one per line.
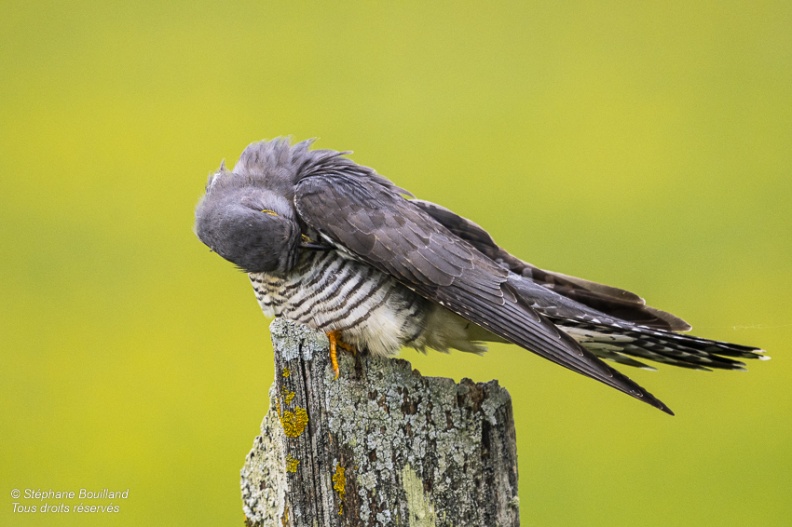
<point>627,344</point>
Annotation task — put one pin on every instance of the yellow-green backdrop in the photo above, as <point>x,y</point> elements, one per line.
<point>643,144</point>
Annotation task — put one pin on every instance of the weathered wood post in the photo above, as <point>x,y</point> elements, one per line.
<point>381,445</point>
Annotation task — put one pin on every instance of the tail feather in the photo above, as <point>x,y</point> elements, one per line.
<point>625,344</point>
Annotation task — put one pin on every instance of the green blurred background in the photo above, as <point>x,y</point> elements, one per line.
<point>645,145</point>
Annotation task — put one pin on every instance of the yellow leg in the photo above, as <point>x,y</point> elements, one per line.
<point>333,338</point>
<point>347,347</point>
<point>335,342</point>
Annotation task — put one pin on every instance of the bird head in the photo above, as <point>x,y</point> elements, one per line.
<point>248,224</point>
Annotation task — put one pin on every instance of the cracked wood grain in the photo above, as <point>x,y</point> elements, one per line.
<point>381,445</point>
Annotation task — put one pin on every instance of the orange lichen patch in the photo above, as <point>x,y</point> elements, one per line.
<point>294,423</point>
<point>291,464</point>
<point>286,373</point>
<point>288,395</point>
<point>285,517</point>
<point>339,485</point>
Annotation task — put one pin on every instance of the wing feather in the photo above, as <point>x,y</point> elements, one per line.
<point>381,228</point>
<point>604,298</point>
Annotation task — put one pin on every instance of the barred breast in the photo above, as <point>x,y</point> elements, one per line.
<point>330,292</point>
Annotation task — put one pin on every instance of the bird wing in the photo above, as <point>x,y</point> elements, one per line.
<point>371,222</point>
<point>604,298</point>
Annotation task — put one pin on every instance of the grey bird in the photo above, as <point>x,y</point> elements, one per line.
<point>334,245</point>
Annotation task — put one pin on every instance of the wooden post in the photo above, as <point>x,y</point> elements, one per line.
<point>381,445</point>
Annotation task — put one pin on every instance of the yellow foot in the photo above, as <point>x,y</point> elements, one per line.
<point>335,342</point>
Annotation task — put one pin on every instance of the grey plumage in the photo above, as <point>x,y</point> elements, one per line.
<point>334,245</point>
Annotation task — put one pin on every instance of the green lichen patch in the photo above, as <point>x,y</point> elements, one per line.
<point>421,510</point>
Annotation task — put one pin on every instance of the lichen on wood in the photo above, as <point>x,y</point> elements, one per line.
<point>380,445</point>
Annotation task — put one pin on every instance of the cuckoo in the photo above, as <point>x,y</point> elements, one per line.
<point>336,246</point>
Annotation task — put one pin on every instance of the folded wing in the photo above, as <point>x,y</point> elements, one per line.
<point>604,298</point>
<point>374,224</point>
